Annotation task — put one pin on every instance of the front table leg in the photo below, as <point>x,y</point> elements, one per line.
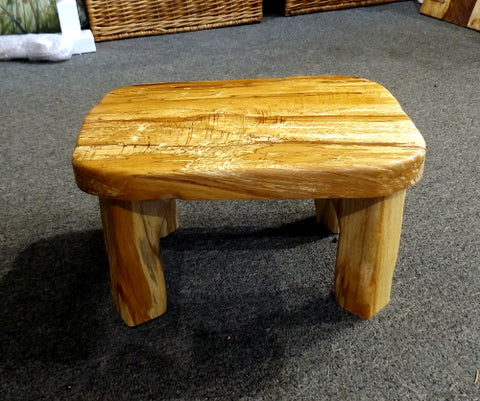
<point>367,252</point>
<point>131,232</point>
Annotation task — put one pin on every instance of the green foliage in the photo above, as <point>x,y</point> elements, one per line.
<point>28,16</point>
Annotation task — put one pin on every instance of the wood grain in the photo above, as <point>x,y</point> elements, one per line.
<point>326,214</point>
<point>460,12</point>
<point>131,232</point>
<point>343,141</point>
<point>367,252</point>
<point>299,137</point>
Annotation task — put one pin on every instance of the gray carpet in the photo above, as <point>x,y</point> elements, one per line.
<point>251,314</point>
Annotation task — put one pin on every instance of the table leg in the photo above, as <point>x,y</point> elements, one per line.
<point>131,232</point>
<point>367,252</point>
<point>327,215</point>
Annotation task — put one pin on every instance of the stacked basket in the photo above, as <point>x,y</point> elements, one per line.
<point>295,7</point>
<point>117,19</point>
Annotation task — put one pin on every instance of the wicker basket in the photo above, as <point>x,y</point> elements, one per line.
<point>118,19</point>
<point>295,7</point>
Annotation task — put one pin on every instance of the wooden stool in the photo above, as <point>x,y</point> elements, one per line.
<point>342,141</point>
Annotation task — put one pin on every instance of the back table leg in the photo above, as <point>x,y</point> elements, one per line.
<point>327,215</point>
<point>131,232</point>
<point>367,252</point>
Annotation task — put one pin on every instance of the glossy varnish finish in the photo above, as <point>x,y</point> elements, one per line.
<point>132,231</point>
<point>342,141</point>
<point>367,252</point>
<point>306,137</point>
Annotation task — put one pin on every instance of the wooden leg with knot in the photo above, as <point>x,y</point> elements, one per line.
<point>367,252</point>
<point>131,232</point>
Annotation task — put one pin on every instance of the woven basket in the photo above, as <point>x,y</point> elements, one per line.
<point>295,7</point>
<point>118,19</point>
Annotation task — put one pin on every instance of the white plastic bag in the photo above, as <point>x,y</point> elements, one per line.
<point>36,47</point>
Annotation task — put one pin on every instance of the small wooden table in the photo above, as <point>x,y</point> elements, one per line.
<point>342,141</point>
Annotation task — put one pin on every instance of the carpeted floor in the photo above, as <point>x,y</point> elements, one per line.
<point>251,314</point>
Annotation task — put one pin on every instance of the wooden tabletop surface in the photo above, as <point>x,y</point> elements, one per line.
<point>299,137</point>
